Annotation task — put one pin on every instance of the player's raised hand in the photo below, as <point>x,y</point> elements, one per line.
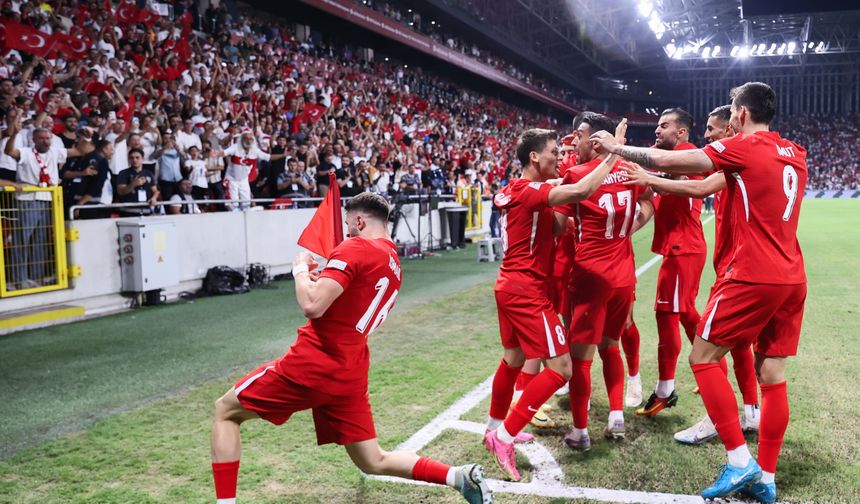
<point>606,140</point>
<point>306,258</point>
<point>621,131</point>
<point>636,175</point>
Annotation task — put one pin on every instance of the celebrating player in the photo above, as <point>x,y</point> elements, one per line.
<point>761,297</point>
<point>679,239</point>
<point>528,323</point>
<point>326,368</point>
<point>718,128</point>
<point>603,278</point>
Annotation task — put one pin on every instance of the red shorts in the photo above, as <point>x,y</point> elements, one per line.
<point>765,315</point>
<point>337,419</point>
<point>532,324</point>
<point>678,283</point>
<point>598,312</point>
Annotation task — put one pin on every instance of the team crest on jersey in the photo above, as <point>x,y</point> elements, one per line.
<point>718,146</point>
<point>502,199</point>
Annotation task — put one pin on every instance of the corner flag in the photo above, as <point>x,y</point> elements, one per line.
<point>325,230</point>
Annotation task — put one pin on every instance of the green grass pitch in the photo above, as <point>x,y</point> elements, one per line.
<point>117,409</point>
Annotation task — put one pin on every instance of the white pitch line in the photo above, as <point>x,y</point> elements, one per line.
<point>547,475</point>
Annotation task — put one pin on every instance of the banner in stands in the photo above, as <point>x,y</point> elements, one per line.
<point>367,18</point>
<point>841,193</point>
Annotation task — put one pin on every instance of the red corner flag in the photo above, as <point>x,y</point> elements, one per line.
<point>325,230</point>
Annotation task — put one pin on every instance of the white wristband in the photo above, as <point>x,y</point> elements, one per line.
<point>301,268</point>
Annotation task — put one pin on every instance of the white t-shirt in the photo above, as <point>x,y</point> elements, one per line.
<point>7,162</point>
<point>192,208</point>
<point>185,141</point>
<point>30,167</point>
<point>241,161</point>
<point>198,173</point>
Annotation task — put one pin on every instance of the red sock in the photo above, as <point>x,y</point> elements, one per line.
<point>523,380</point>
<point>724,366</point>
<point>431,471</point>
<point>503,390</point>
<point>537,393</point>
<point>613,376</point>
<point>719,399</point>
<point>669,346</point>
<point>226,475</point>
<point>690,320</point>
<point>744,364</point>
<point>630,344</point>
<point>580,392</point>
<point>774,421</point>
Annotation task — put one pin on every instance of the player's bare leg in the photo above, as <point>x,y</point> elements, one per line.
<point>722,407</point>
<point>500,442</point>
<point>468,479</point>
<point>613,377</point>
<point>226,445</point>
<point>774,421</point>
<point>580,392</point>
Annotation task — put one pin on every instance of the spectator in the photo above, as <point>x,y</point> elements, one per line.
<point>169,171</point>
<point>136,184</point>
<point>410,182</point>
<point>190,206</point>
<point>195,171</point>
<point>214,168</point>
<point>95,186</point>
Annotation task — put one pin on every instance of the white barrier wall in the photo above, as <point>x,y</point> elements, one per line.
<point>233,239</point>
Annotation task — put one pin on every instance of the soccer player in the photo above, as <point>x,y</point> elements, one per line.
<point>679,239</point>
<point>717,128</point>
<point>761,296</point>
<point>603,278</point>
<point>528,323</point>
<point>630,344</point>
<point>325,370</point>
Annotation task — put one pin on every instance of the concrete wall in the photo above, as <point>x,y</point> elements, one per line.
<point>233,239</point>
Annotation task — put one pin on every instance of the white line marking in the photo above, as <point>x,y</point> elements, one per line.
<point>547,475</point>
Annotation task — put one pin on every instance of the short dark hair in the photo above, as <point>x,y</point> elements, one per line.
<point>758,98</point>
<point>577,120</point>
<point>101,144</point>
<point>683,117</point>
<point>136,150</point>
<point>723,113</point>
<point>371,204</point>
<point>533,140</point>
<point>597,122</point>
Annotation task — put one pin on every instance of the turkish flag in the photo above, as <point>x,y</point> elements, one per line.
<point>96,87</point>
<point>127,13</point>
<point>126,112</point>
<point>73,47</point>
<point>310,114</point>
<point>41,97</point>
<point>147,17</point>
<point>325,230</point>
<point>28,39</point>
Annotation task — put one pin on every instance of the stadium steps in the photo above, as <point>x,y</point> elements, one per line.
<point>39,317</point>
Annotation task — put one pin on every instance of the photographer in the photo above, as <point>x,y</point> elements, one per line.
<point>136,184</point>
<point>293,183</point>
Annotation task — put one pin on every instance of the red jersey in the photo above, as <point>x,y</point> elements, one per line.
<point>604,253</point>
<point>722,233</point>
<point>526,222</point>
<point>677,227</point>
<point>765,179</point>
<point>330,353</point>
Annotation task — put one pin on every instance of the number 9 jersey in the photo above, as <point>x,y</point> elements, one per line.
<point>331,353</point>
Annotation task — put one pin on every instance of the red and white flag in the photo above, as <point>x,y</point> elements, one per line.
<point>73,47</point>
<point>41,97</point>
<point>127,13</point>
<point>25,38</point>
<point>325,230</point>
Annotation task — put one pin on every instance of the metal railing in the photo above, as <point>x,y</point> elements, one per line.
<point>34,241</point>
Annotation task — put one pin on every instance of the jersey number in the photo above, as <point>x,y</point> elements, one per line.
<point>381,287</point>
<point>624,200</point>
<point>789,187</point>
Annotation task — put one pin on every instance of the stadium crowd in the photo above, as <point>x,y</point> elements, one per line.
<point>832,145</point>
<point>170,100</point>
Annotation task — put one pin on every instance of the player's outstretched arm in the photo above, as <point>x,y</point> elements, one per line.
<point>683,161</point>
<point>314,294</point>
<point>573,193</point>
<point>693,188</point>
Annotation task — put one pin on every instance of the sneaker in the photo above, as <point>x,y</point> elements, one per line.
<point>749,424</point>
<point>633,397</point>
<point>614,430</point>
<point>732,479</point>
<point>564,390</point>
<point>762,492</point>
<point>469,481</point>
<point>541,419</point>
<point>657,404</point>
<point>520,438</point>
<point>504,455</point>
<point>576,441</point>
<point>698,433</point>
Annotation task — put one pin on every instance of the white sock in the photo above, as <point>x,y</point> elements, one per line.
<point>768,477</point>
<point>581,432</point>
<point>503,435</point>
<point>635,377</point>
<point>226,501</point>
<point>664,388</point>
<point>751,411</point>
<point>451,477</point>
<point>740,456</point>
<point>517,395</point>
<point>493,423</point>
<point>616,416</point>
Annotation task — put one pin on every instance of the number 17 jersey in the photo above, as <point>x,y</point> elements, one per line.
<point>331,353</point>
